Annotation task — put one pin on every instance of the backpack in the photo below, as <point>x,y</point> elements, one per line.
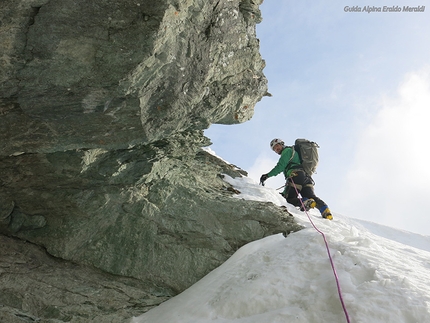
<point>308,153</point>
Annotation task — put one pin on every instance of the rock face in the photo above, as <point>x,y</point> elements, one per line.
<point>109,74</point>
<point>102,110</point>
<point>39,288</point>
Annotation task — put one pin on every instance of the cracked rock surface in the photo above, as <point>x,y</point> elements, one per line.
<point>39,288</point>
<point>108,202</point>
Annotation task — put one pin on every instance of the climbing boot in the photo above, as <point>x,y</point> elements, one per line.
<point>327,214</point>
<point>309,204</point>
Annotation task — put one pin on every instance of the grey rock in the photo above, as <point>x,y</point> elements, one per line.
<point>6,208</point>
<point>13,220</point>
<point>35,287</point>
<point>20,221</point>
<point>102,111</point>
<point>161,208</point>
<point>93,74</point>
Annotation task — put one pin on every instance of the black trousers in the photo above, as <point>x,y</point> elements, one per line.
<point>305,186</point>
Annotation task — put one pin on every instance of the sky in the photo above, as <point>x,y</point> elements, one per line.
<point>358,84</point>
<point>383,275</point>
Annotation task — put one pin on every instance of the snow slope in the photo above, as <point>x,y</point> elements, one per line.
<point>383,273</point>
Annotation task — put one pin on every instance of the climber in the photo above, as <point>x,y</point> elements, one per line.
<point>296,178</point>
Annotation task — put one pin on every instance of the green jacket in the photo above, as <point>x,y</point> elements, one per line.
<point>286,163</point>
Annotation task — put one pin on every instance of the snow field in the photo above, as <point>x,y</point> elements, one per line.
<point>279,279</point>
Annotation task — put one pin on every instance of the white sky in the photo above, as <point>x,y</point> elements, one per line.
<point>383,274</point>
<point>359,85</point>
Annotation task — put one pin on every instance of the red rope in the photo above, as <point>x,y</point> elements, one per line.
<point>328,252</point>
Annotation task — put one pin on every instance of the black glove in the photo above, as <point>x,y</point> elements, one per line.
<point>263,178</point>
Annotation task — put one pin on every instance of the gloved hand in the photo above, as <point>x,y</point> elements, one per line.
<point>263,178</point>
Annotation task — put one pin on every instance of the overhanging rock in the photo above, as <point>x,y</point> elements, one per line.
<point>102,110</point>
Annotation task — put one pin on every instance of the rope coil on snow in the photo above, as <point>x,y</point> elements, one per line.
<point>328,252</point>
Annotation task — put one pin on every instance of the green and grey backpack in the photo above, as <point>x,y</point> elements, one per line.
<point>308,153</point>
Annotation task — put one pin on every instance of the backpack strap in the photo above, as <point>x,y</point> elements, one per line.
<point>299,166</point>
